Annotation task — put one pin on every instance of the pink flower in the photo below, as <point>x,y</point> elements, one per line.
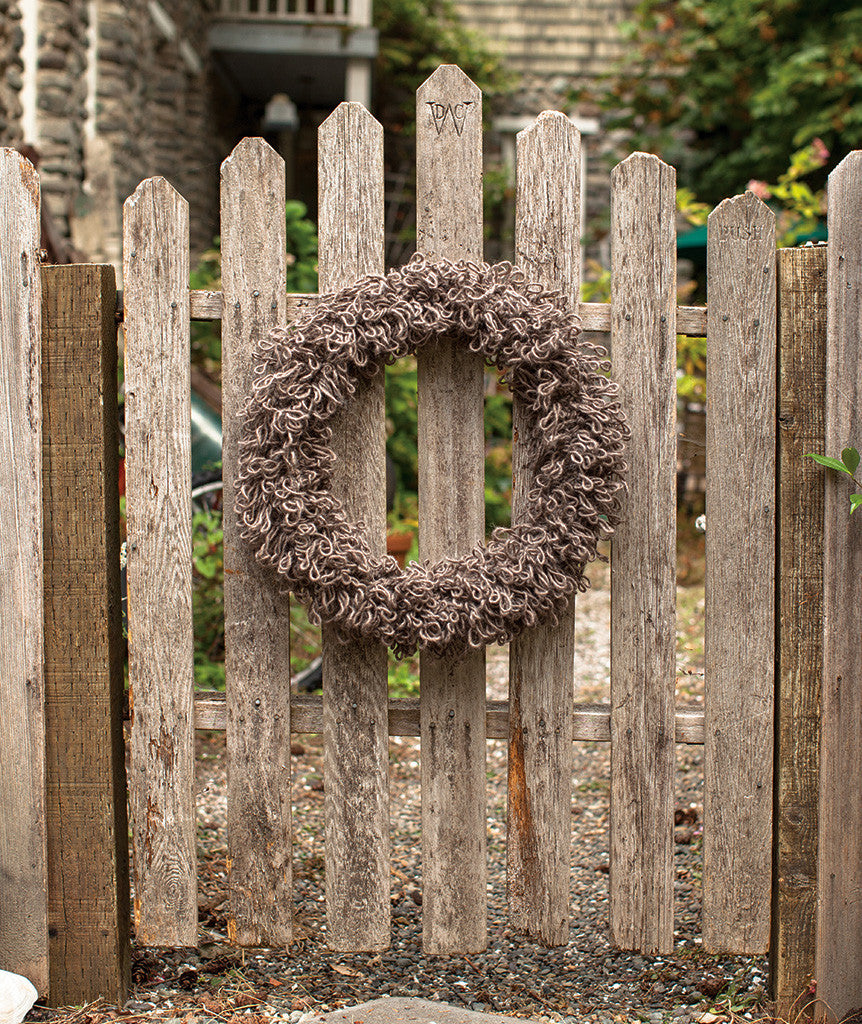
<point>819,150</point>
<point>759,188</point>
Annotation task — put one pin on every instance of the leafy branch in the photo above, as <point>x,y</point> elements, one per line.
<point>848,464</point>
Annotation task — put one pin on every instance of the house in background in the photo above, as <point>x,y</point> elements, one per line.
<point>110,92</point>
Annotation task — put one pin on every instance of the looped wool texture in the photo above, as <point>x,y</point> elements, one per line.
<point>524,574</point>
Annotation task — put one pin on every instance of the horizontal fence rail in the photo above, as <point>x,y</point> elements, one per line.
<point>589,721</point>
<point>595,316</point>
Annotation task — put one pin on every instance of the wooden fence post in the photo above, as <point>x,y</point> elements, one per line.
<point>839,875</point>
<point>451,524</point>
<point>799,621</point>
<point>88,882</point>
<point>24,900</point>
<point>740,576</point>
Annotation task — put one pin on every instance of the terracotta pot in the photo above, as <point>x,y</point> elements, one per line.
<point>399,544</point>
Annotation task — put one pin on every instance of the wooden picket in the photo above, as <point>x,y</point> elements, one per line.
<point>839,915</point>
<point>257,620</point>
<point>542,661</point>
<point>23,865</point>
<point>815,844</point>
<point>643,560</point>
<point>159,572</point>
<point>451,524</point>
<point>739,646</point>
<point>355,692</point>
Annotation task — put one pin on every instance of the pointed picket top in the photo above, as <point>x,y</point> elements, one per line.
<point>449,166</point>
<point>353,114</point>
<point>158,190</point>
<point>351,199</point>
<point>254,154</point>
<point>548,220</point>
<point>449,102</point>
<point>17,174</point>
<point>641,163</point>
<point>847,175</point>
<point>550,121</point>
<point>746,208</point>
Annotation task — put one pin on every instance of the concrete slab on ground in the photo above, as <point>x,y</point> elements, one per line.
<point>409,1011</point>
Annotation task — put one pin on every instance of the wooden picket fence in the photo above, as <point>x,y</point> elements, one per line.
<point>782,723</point>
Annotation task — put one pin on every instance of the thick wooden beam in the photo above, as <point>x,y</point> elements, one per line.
<point>88,865</point>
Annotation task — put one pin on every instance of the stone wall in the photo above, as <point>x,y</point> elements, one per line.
<point>61,103</point>
<point>158,104</point>
<point>11,69</point>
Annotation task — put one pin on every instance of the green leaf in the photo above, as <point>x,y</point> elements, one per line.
<point>824,460</point>
<point>855,502</point>
<point>850,458</point>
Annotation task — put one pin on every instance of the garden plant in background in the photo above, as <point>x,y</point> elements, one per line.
<point>718,87</point>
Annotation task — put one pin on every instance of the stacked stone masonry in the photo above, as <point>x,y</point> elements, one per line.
<point>157,106</point>
<point>11,73</point>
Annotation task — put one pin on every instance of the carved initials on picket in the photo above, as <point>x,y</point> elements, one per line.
<point>440,112</point>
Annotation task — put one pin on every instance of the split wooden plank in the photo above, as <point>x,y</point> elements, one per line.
<point>542,660</point>
<point>257,617</point>
<point>590,722</point>
<point>159,571</point>
<point>839,921</point>
<point>88,857</point>
<point>451,524</point>
<point>355,691</point>
<point>24,903</point>
<point>740,580</point>
<point>799,618</point>
<point>643,557</point>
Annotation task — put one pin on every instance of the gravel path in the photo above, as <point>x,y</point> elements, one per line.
<point>587,980</point>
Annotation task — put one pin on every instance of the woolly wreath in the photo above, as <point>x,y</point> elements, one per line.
<point>526,573</point>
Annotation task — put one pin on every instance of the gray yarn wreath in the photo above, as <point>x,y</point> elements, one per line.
<point>525,573</point>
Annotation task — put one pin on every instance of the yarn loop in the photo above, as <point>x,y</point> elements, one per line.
<point>525,573</point>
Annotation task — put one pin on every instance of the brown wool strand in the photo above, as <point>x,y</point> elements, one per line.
<point>524,574</point>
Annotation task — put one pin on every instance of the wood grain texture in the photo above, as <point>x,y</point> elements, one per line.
<point>643,557</point>
<point>740,576</point>
<point>355,690</point>
<point>451,524</point>
<point>799,618</point>
<point>24,902</point>
<point>839,922</point>
<point>589,721</point>
<point>88,857</point>
<point>257,617</point>
<point>159,571</point>
<point>542,660</point>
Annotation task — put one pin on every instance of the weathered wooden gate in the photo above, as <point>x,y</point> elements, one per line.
<point>758,488</point>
